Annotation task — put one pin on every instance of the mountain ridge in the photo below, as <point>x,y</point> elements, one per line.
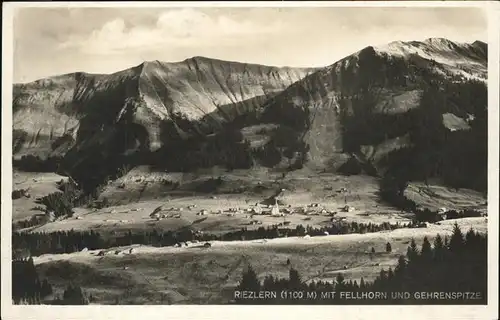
<point>320,117</point>
<point>76,94</point>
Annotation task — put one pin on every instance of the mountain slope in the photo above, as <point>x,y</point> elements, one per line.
<point>53,115</point>
<point>407,108</point>
<point>382,99</point>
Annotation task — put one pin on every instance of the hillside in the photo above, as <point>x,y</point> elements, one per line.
<point>382,107</point>
<point>55,114</point>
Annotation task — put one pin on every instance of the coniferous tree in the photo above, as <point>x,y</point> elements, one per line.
<point>388,247</point>
<point>457,240</point>
<point>412,252</point>
<point>470,238</point>
<point>400,269</point>
<point>426,252</point>
<point>339,282</point>
<point>294,279</point>
<point>390,274</point>
<point>249,280</point>
<point>439,249</point>
<point>362,284</point>
<point>73,295</point>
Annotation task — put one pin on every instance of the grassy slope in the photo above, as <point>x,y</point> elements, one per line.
<point>198,275</point>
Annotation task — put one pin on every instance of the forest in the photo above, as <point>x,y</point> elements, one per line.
<point>457,264</point>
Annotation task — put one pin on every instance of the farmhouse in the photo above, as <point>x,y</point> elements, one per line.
<point>257,209</point>
<point>202,212</point>
<point>342,190</point>
<point>443,213</point>
<point>348,208</point>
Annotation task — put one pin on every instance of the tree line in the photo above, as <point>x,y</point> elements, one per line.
<point>37,243</point>
<point>457,265</point>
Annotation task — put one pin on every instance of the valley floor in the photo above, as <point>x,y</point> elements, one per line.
<point>198,275</point>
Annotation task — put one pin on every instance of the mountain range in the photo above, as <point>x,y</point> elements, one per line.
<point>405,108</point>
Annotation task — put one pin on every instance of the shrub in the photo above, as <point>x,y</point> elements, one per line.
<point>62,202</point>
<point>17,194</point>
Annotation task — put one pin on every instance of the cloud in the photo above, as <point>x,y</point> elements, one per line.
<point>180,28</point>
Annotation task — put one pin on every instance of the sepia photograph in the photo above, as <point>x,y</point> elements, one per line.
<point>235,154</point>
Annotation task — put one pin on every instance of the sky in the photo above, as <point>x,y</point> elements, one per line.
<point>52,41</point>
